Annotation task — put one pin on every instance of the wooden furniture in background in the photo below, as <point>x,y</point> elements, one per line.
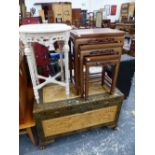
<point>76,17</point>
<point>57,116</point>
<point>83,18</point>
<point>131,13</point>
<point>124,12</point>
<point>64,10</point>
<point>22,8</point>
<point>127,12</point>
<point>106,23</point>
<point>57,11</point>
<point>28,14</point>
<point>112,25</point>
<point>90,20</point>
<point>109,37</point>
<point>31,20</point>
<point>128,27</point>
<point>42,14</point>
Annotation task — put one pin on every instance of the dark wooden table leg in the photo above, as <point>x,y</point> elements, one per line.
<point>70,60</point>
<point>30,134</point>
<point>86,81</point>
<point>114,78</point>
<point>76,75</point>
<point>103,75</point>
<point>81,77</point>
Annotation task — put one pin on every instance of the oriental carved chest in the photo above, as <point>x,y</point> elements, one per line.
<point>59,116</point>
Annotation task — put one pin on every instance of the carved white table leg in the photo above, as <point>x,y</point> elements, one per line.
<point>61,65</point>
<point>34,64</point>
<point>29,56</point>
<point>66,50</point>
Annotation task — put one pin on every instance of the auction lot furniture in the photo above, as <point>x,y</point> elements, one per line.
<point>76,17</point>
<point>128,27</point>
<point>83,17</point>
<point>106,23</point>
<point>56,116</point>
<point>97,51</point>
<point>57,11</point>
<point>45,34</point>
<point>41,52</point>
<point>109,37</point>
<point>100,61</point>
<point>31,20</point>
<point>127,12</point>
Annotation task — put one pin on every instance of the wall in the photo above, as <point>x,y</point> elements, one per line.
<point>97,4</point>
<point>90,5</point>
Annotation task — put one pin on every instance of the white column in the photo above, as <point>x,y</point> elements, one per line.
<point>29,56</point>
<point>34,64</point>
<point>66,50</point>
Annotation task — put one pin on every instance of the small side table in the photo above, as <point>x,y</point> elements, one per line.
<point>45,34</point>
<point>107,36</point>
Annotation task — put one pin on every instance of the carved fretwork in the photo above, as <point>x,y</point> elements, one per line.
<point>103,40</point>
<point>43,38</point>
<point>103,52</point>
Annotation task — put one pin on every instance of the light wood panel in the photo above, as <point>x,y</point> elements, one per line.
<point>62,10</point>
<point>78,121</point>
<point>131,9</point>
<point>42,14</point>
<point>57,11</point>
<point>67,12</point>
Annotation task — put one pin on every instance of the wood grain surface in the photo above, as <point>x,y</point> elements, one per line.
<point>79,121</point>
<point>55,93</point>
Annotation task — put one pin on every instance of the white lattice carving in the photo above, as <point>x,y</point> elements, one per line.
<point>46,39</point>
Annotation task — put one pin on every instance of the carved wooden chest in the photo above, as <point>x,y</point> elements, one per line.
<point>57,116</point>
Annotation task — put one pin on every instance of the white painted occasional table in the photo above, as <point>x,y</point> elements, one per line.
<point>45,34</point>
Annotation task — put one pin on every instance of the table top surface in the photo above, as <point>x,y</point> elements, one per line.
<point>51,99</point>
<point>95,31</point>
<point>125,24</point>
<point>44,28</point>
